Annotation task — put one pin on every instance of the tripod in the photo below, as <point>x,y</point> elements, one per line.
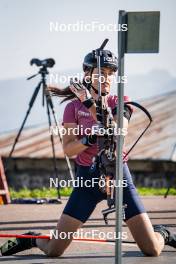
<point>46,98</point>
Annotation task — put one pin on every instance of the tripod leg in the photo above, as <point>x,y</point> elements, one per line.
<point>167,192</point>
<point>26,116</point>
<point>169,185</point>
<point>60,138</point>
<point>53,148</point>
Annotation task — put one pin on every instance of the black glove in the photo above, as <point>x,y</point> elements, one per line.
<point>89,140</point>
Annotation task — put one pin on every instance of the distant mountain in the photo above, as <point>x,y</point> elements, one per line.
<point>15,95</point>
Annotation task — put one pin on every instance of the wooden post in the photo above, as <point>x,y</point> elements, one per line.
<point>4,190</point>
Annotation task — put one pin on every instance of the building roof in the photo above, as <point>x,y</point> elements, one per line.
<point>34,142</point>
<point>160,139</point>
<point>157,143</point>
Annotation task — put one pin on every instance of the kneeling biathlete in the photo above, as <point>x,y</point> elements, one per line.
<point>81,111</point>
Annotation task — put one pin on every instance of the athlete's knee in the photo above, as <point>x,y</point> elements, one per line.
<point>152,251</point>
<point>52,252</point>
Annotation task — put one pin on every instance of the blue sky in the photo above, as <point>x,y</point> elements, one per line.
<point>25,34</point>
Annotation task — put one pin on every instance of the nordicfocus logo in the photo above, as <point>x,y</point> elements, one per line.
<point>93,234</point>
<point>88,183</point>
<point>55,78</point>
<point>81,26</point>
<point>80,130</point>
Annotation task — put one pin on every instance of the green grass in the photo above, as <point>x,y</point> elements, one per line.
<point>39,193</point>
<point>155,191</point>
<point>52,192</point>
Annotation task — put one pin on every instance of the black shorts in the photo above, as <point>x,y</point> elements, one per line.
<point>83,200</point>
